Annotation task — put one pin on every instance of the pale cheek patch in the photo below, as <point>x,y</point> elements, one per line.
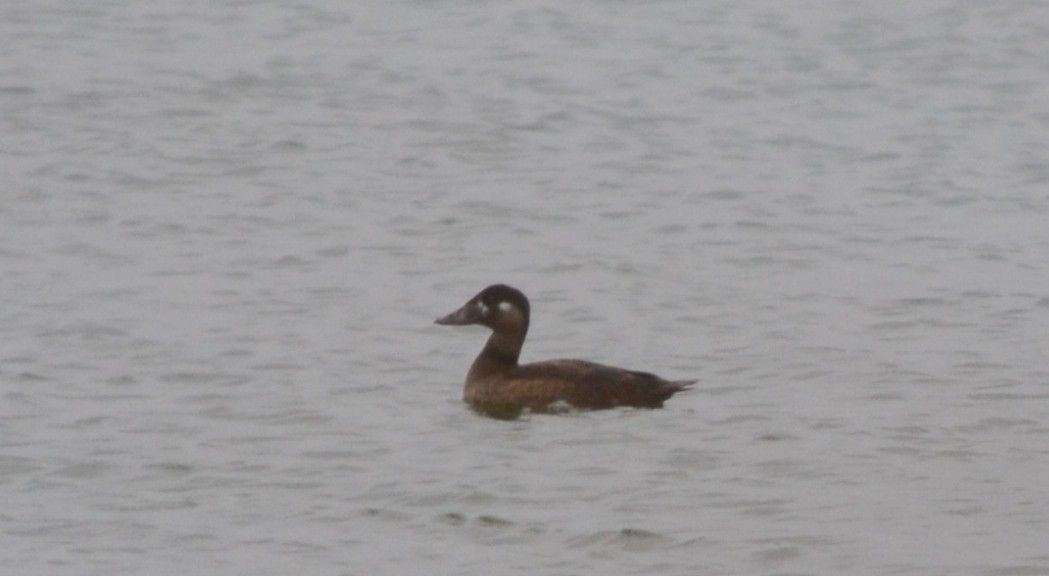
<point>510,314</point>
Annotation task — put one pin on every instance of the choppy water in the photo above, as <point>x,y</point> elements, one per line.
<point>226,228</point>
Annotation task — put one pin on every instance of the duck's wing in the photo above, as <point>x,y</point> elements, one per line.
<point>590,385</point>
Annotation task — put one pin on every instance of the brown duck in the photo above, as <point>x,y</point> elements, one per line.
<point>498,386</point>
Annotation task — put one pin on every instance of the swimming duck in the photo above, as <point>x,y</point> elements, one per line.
<point>497,385</point>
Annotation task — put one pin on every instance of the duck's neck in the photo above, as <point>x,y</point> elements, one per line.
<point>500,353</point>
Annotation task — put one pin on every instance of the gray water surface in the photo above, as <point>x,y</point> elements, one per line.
<point>227,227</point>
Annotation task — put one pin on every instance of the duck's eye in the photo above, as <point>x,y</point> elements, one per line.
<point>505,306</point>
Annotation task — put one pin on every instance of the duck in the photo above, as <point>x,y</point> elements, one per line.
<point>498,385</point>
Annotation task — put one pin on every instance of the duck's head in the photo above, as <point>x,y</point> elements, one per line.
<point>499,307</point>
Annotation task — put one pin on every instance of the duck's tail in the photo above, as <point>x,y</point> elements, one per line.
<point>680,385</point>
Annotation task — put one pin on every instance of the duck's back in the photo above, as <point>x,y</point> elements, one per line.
<point>578,383</point>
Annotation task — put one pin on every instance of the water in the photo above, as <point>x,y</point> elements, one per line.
<point>226,229</point>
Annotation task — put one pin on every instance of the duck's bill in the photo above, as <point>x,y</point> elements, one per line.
<point>461,317</point>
